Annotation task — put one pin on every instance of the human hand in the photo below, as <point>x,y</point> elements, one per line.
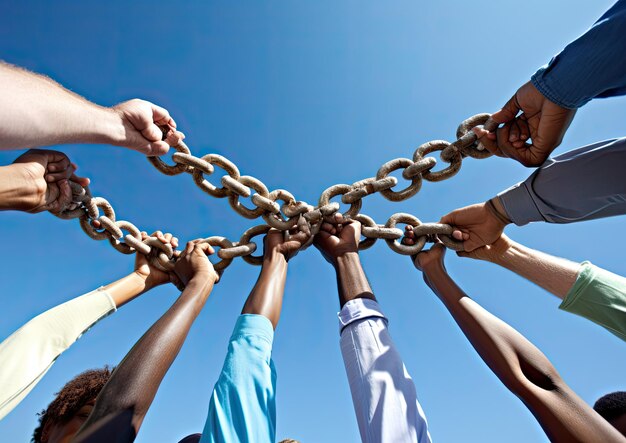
<point>141,120</point>
<point>542,120</point>
<point>194,263</point>
<point>275,242</point>
<point>430,260</point>
<point>475,225</point>
<point>146,271</point>
<point>491,253</point>
<point>337,239</point>
<point>44,178</point>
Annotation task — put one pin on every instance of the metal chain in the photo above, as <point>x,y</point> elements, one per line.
<point>291,212</point>
<point>285,216</point>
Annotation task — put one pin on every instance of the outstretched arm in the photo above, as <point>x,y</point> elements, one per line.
<point>586,290</point>
<point>36,111</point>
<point>583,184</point>
<point>266,298</point>
<point>383,393</point>
<point>125,399</point>
<point>522,367</point>
<point>243,402</point>
<point>29,352</point>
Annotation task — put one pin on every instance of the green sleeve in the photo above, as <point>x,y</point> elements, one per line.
<point>599,296</point>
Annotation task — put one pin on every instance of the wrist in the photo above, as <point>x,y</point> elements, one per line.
<point>274,258</point>
<point>20,189</point>
<point>108,126</point>
<point>347,259</point>
<point>203,281</point>
<point>434,272</point>
<point>495,208</point>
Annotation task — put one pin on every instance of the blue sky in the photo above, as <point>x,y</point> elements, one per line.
<point>303,95</point>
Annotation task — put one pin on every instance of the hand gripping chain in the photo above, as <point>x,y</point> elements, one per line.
<point>126,237</point>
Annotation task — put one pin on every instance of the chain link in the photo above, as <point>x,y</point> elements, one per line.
<point>291,213</point>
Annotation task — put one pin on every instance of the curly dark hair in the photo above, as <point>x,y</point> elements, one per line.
<point>73,396</point>
<point>611,406</point>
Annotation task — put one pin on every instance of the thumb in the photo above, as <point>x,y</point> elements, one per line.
<point>507,113</point>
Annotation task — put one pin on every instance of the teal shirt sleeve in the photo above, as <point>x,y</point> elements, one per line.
<point>243,403</point>
<point>599,296</point>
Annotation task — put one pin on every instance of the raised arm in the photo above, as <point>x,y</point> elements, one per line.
<point>124,401</point>
<point>522,367</point>
<point>36,111</point>
<point>29,352</point>
<point>243,401</point>
<point>383,393</point>
<point>585,289</point>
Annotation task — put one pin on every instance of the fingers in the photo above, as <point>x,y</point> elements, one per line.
<point>300,238</point>
<point>157,148</point>
<point>409,236</point>
<point>459,235</point>
<point>189,247</point>
<point>328,228</point>
<point>161,116</point>
<point>206,248</point>
<point>58,167</point>
<point>59,196</point>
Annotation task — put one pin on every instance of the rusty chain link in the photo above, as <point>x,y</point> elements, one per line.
<point>126,237</point>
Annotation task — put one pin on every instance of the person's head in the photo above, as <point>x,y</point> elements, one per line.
<point>612,407</point>
<point>64,416</point>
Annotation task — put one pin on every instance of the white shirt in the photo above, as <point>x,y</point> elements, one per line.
<point>383,393</point>
<point>28,353</point>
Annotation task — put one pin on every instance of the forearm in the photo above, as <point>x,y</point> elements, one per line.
<point>16,188</point>
<point>137,378</point>
<point>554,274</point>
<point>590,66</point>
<point>29,352</point>
<point>383,393</point>
<point>583,184</point>
<point>266,298</point>
<point>128,288</point>
<point>37,111</point>
<point>523,368</point>
<point>351,280</point>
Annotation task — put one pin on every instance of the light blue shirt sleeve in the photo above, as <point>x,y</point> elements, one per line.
<point>583,184</point>
<point>592,66</point>
<point>243,403</point>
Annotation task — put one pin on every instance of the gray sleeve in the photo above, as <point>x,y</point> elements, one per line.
<point>583,184</point>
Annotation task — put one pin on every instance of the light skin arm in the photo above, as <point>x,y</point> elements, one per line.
<point>339,245</point>
<point>522,367</point>
<point>124,401</point>
<point>266,298</point>
<point>36,111</point>
<point>554,274</point>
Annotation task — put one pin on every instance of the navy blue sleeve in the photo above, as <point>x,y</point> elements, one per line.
<point>592,66</point>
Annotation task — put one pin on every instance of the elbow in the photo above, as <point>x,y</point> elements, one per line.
<point>528,379</point>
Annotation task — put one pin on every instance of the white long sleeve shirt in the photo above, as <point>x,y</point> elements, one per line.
<point>383,392</point>
<point>28,353</point>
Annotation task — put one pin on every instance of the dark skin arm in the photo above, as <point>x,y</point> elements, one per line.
<point>339,245</point>
<point>266,298</point>
<point>124,401</point>
<point>523,368</point>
